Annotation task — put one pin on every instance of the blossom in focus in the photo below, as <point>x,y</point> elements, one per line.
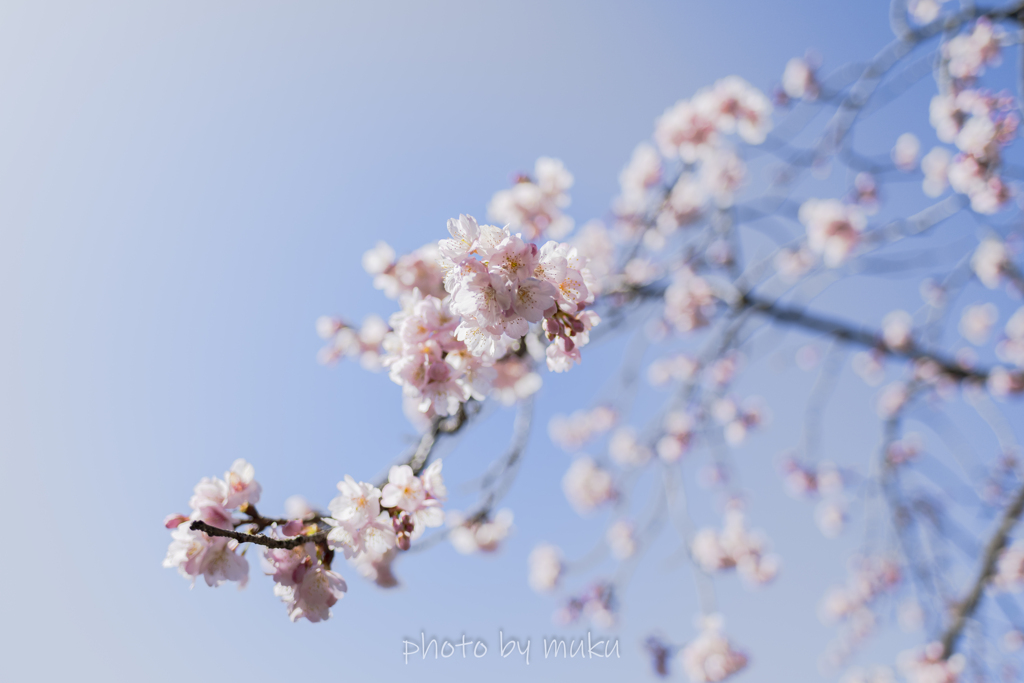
<point>195,554</point>
<point>242,488</point>
<point>303,582</point>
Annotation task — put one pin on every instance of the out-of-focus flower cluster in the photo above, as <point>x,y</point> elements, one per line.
<point>737,547</point>
<point>928,665</point>
<point>710,657</point>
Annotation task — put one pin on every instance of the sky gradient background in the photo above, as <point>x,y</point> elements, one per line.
<point>185,187</point>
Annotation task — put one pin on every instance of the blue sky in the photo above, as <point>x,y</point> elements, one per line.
<point>185,187</point>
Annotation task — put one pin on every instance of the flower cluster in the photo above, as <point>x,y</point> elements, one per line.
<point>534,205</point>
<point>545,568</point>
<point>680,428</point>
<point>304,581</point>
<point>991,262</point>
<point>710,657</point>
<point>871,577</point>
<point>928,665</point>
<point>735,547</point>
<point>596,604</point>
<point>833,228</point>
<point>691,127</point>
<point>587,485</point>
<point>572,432</point>
<point>969,53</point>
<point>344,340</point>
<point>689,301</point>
<point>499,284</point>
<point>399,277</point>
<point>979,125</point>
<point>691,131</point>
<point>1009,575</point>
<point>194,553</point>
<point>478,535</point>
<point>369,522</point>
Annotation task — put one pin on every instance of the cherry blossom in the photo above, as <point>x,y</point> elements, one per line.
<point>711,657</point>
<point>833,228</point>
<point>546,567</point>
<point>587,485</point>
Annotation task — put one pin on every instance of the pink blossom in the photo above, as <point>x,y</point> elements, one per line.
<point>404,489</point>
<point>928,665</point>
<point>799,80</point>
<point>621,540</point>
<point>990,261</point>
<point>545,564</point>
<point>711,657</point>
<point>904,154</point>
<point>242,488</point>
<point>833,228</point>
<point>485,535</point>
<point>626,450</point>
<point>969,53</point>
<point>313,596</point>
<point>587,485</point>
<point>897,330</point>
<point>935,166</point>
<point>195,554</point>
<point>976,322</point>
<point>535,206</point>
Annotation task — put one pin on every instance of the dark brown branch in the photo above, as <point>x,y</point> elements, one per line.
<point>845,332</point>
<point>259,539</point>
<point>966,607</point>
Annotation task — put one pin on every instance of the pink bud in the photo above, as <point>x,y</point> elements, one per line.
<point>173,521</point>
<point>292,528</point>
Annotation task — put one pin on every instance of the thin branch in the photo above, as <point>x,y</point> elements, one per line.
<point>963,611</point>
<point>259,539</point>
